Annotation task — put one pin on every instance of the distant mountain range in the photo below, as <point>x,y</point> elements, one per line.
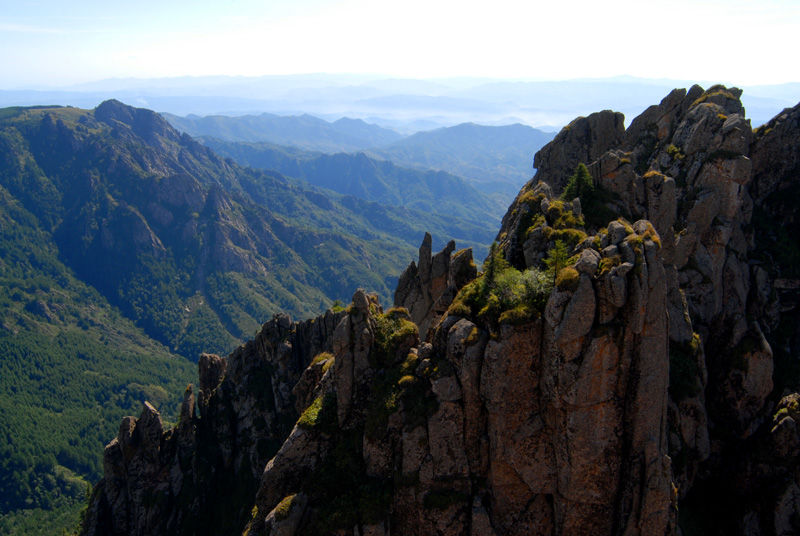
<point>496,160</point>
<point>369,178</point>
<point>305,132</point>
<point>403,104</point>
<point>497,157</point>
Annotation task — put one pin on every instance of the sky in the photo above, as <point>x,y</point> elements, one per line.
<point>52,43</point>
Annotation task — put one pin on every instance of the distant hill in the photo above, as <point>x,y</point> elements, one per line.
<point>370,178</point>
<point>498,157</point>
<point>126,249</point>
<point>305,131</point>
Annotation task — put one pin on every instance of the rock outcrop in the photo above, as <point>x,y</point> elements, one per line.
<point>611,372</point>
<point>199,477</point>
<point>428,289</point>
<point>571,459</point>
<point>694,168</point>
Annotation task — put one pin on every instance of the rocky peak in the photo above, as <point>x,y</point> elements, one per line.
<point>583,140</point>
<point>440,430</point>
<point>688,166</point>
<point>143,122</point>
<point>776,169</point>
<point>428,289</point>
<point>189,479</point>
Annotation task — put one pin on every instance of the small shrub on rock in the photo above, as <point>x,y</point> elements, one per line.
<point>568,280</point>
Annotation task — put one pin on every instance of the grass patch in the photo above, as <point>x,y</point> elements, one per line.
<point>713,91</point>
<point>320,415</point>
<point>486,300</point>
<point>675,153</point>
<point>395,386</point>
<point>607,263</point>
<point>326,358</point>
<point>284,507</point>
<point>568,280</point>
<point>395,329</point>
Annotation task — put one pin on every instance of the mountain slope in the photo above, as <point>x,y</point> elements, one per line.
<point>306,132</point>
<point>126,250</point>
<point>198,251</point>
<point>371,179</point>
<point>497,157</point>
<point>71,367</point>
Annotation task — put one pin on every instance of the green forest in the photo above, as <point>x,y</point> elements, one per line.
<point>71,366</point>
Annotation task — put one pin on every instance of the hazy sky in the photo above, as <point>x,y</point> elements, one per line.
<point>57,42</point>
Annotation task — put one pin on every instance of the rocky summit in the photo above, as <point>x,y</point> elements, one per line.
<point>627,363</point>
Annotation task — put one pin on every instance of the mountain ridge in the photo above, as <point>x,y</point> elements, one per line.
<point>368,178</point>
<point>305,132</point>
<point>494,158</point>
<point>534,102</point>
<point>599,377</point>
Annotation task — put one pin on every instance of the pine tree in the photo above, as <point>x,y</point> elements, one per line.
<point>579,185</point>
<point>557,259</point>
<point>491,266</point>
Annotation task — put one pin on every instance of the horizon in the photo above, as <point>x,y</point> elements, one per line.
<point>406,105</point>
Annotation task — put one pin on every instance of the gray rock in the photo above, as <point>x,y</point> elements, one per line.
<point>587,262</point>
<point>627,253</point>
<point>616,232</point>
<point>544,206</point>
<point>579,314</point>
<point>583,141</point>
<point>576,207</point>
<point>429,290</point>
<point>446,389</point>
<point>610,251</point>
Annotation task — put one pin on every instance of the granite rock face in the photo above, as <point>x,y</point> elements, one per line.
<point>196,478</point>
<point>584,140</point>
<point>427,289</point>
<point>693,167</point>
<point>545,427</point>
<point>611,372</point>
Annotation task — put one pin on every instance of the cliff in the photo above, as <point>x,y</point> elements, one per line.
<point>625,364</point>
